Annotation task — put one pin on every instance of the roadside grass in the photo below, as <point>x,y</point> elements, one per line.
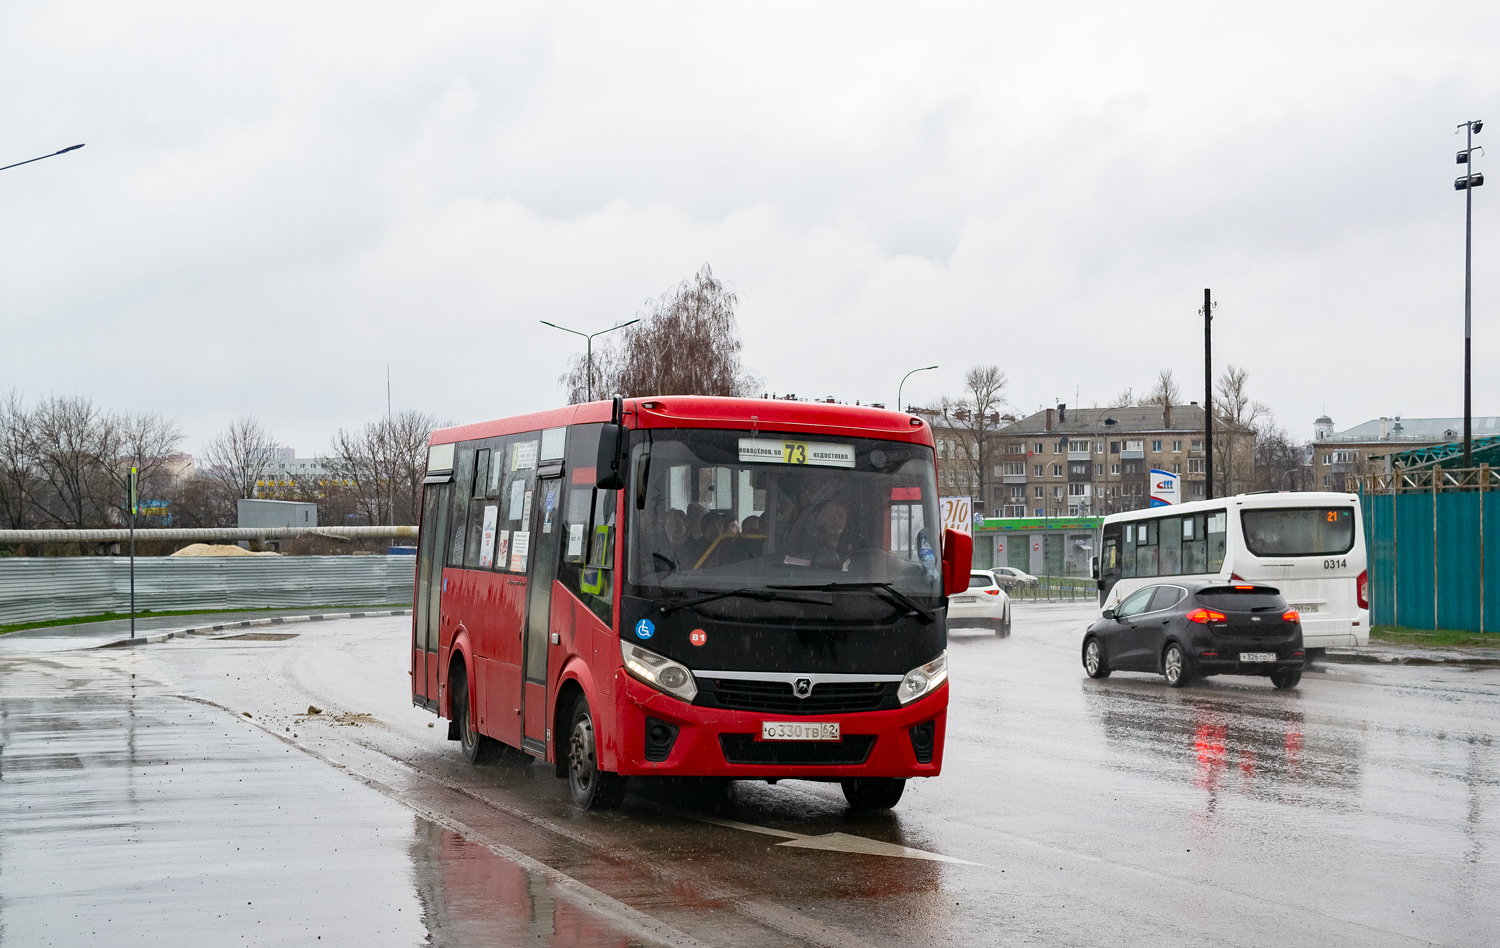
<point>145,614</point>
<point>1433,638</point>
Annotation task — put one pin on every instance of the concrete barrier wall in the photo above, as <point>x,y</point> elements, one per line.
<point>36,589</point>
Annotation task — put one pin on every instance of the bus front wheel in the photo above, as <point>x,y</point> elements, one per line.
<point>592,787</point>
<point>873,793</point>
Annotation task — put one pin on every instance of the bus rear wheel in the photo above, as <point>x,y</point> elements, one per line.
<point>592,787</point>
<point>873,793</point>
<point>477,749</point>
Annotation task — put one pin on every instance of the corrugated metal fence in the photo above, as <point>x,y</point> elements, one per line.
<point>35,589</point>
<point>1434,551</point>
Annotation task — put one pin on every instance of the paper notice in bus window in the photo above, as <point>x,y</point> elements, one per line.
<point>487,538</point>
<point>523,456</point>
<point>520,545</point>
<point>526,509</point>
<point>517,497</point>
<point>502,550</point>
<point>814,453</point>
<point>575,539</point>
<point>906,493</point>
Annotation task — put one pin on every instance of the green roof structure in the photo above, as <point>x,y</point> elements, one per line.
<point>1448,456</point>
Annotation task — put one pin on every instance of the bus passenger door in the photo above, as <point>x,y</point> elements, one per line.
<point>427,607</point>
<point>546,525</point>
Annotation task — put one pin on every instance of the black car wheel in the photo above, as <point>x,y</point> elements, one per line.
<point>1005,629</point>
<point>592,787</point>
<point>1174,665</point>
<point>1093,658</point>
<point>873,793</point>
<point>1284,678</point>
<point>477,749</point>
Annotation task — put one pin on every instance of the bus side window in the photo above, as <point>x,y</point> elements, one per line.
<point>588,526</point>
<point>463,482</point>
<point>1145,548</point>
<point>1127,553</point>
<point>1194,545</point>
<point>1217,522</point>
<point>474,544</point>
<point>1171,546</point>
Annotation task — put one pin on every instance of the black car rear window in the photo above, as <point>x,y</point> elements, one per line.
<point>1232,599</point>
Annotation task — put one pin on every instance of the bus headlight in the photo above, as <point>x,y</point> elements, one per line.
<point>921,681</point>
<point>659,672</point>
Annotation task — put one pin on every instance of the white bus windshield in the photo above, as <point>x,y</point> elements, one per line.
<point>723,510</point>
<point>1299,531</point>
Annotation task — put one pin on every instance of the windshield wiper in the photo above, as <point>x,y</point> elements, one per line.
<point>892,595</point>
<point>762,595</point>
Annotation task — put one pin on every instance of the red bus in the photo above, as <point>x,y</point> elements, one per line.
<point>692,587</point>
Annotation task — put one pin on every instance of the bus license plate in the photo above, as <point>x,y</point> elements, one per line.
<point>1257,656</point>
<point>799,731</point>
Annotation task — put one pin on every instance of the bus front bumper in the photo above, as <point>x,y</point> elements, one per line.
<point>713,742</point>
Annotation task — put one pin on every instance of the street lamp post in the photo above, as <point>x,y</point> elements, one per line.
<point>1466,183</point>
<point>590,349</point>
<point>925,368</point>
<point>30,160</point>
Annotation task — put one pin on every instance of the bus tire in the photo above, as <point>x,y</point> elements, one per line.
<point>477,749</point>
<point>1093,658</point>
<point>1174,665</point>
<point>1285,678</point>
<point>592,787</point>
<point>873,793</point>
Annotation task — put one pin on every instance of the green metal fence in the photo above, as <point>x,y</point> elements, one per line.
<point>1433,541</point>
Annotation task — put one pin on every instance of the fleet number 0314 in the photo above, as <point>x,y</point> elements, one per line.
<point>1335,564</point>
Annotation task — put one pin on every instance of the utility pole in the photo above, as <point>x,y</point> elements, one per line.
<point>133,500</point>
<point>1208,394</point>
<point>1467,183</point>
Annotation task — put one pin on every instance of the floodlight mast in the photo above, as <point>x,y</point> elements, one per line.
<point>1467,184</point>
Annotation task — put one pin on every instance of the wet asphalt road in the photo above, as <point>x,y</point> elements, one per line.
<point>138,804</point>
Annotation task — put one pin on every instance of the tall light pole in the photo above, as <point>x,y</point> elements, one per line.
<point>1467,183</point>
<point>590,338</point>
<point>925,368</point>
<point>53,155</point>
<point>1208,394</point>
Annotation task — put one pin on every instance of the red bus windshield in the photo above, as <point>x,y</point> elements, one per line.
<point>718,510</point>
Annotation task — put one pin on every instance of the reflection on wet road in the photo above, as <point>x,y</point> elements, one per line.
<point>1358,809</point>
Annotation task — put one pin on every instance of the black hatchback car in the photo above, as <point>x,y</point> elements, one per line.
<point>1189,628</point>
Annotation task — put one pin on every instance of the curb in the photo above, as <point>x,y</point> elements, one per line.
<point>156,638</point>
<point>1363,658</point>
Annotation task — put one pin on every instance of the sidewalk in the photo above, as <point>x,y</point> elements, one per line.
<point>1387,653</point>
<point>116,632</point>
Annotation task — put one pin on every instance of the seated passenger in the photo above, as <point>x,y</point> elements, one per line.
<point>750,525</point>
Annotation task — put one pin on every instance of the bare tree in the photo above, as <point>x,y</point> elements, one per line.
<point>973,418</point>
<point>1125,399</point>
<point>688,343</point>
<point>147,442</point>
<point>1279,461</point>
<point>239,456</point>
<point>385,462</point>
<point>18,472</point>
<point>1237,415</point>
<point>1165,392</point>
<point>75,443</point>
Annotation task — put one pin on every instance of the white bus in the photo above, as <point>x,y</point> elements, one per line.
<point>1311,546</point>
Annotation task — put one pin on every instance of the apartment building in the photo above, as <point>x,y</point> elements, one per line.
<point>1337,458</point>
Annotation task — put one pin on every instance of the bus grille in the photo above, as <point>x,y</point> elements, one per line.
<point>745,749</point>
<point>776,697</point>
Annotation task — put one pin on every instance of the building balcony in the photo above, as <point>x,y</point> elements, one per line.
<point>1133,455</point>
<point>1013,479</point>
<point>1083,455</point>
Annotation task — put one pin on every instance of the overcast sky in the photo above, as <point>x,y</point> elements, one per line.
<point>277,200</point>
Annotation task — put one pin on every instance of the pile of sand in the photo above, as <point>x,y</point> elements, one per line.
<point>218,549</point>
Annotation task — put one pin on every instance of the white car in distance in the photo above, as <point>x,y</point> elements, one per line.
<point>985,605</point>
<point>1009,576</point>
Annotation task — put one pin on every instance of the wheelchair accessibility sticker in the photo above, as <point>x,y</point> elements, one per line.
<point>644,629</point>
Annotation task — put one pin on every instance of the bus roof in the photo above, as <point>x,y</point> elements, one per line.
<point>706,411</point>
<point>1280,498</point>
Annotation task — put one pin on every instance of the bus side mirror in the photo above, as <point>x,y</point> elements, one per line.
<point>610,466</point>
<point>1094,565</point>
<point>958,558</point>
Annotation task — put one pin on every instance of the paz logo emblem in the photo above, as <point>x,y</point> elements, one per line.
<point>802,687</point>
